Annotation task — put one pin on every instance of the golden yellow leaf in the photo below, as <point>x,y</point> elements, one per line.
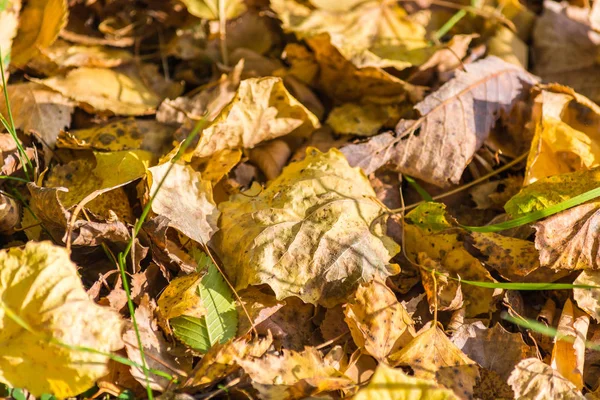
<point>307,234</point>
<point>185,199</point>
<point>179,298</point>
<point>209,9</point>
<point>362,119</point>
<point>432,356</point>
<point>568,355</point>
<point>120,91</point>
<point>40,284</point>
<point>293,375</point>
<point>393,384</point>
<point>40,23</point>
<point>532,379</point>
<point>506,45</point>
<point>566,134</point>
<point>9,22</point>
<point>377,320</point>
<point>66,55</point>
<point>262,109</point>
<point>217,166</point>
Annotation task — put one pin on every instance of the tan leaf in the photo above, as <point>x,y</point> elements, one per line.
<point>40,285</point>
<point>307,234</point>
<point>156,349</point>
<point>377,321</point>
<point>568,354</point>
<point>259,305</point>
<point>494,349</point>
<point>271,157</point>
<point>40,23</point>
<point>588,299</point>
<point>119,91</point>
<point>293,375</point>
<point>262,109</point>
<point>9,22</point>
<point>393,384</point>
<point>185,199</point>
<point>566,48</point>
<point>10,214</point>
<point>532,379</point>
<point>454,123</point>
<point>432,356</point>
<point>209,9</point>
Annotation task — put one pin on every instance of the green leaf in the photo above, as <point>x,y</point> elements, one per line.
<point>220,322</point>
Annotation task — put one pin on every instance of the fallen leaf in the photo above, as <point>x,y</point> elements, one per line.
<point>567,55</point>
<point>293,375</point>
<point>506,45</point>
<point>494,348</point>
<point>118,91</point>
<point>185,199</point>
<point>307,234</point>
<point>568,355</point>
<point>454,123</point>
<point>180,298</point>
<point>9,21</point>
<point>40,22</point>
<point>259,305</point>
<point>393,384</point>
<point>271,157</point>
<point>156,349</point>
<point>262,109</point>
<point>377,321</point>
<point>210,9</point>
<point>362,119</point>
<point>587,299</point>
<point>62,55</point>
<point>10,214</point>
<point>40,286</point>
<point>432,356</point>
<point>532,379</point>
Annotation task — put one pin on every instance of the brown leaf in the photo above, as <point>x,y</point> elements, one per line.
<point>454,123</point>
<point>377,321</point>
<point>259,305</point>
<point>532,379</point>
<point>271,157</point>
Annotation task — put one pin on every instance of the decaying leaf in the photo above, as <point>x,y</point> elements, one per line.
<point>568,354</point>
<point>118,91</point>
<point>494,348</point>
<point>293,375</point>
<point>185,199</point>
<point>431,355</point>
<point>307,234</point>
<point>377,321</point>
<point>362,119</point>
<point>393,384</point>
<point>454,123</point>
<point>209,9</point>
<point>39,285</point>
<point>179,298</point>
<point>9,22</point>
<point>588,299</point>
<point>566,134</point>
<point>262,109</point>
<point>532,379</point>
<point>566,48</point>
<point>62,55</point>
<point>40,23</point>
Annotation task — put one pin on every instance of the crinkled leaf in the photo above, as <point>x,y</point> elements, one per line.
<point>393,384</point>
<point>307,234</point>
<point>454,123</point>
<point>588,299</point>
<point>532,379</point>
<point>262,109</point>
<point>40,284</point>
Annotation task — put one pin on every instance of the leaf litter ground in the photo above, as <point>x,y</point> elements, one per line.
<point>288,199</point>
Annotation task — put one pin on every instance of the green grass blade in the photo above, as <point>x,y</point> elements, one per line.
<point>220,322</point>
<point>537,215</point>
<point>422,192</point>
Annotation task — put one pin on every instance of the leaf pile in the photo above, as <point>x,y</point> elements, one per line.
<point>288,199</point>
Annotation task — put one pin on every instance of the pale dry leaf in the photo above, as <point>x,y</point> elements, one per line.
<point>210,9</point>
<point>454,123</point>
<point>377,321</point>
<point>271,157</point>
<point>66,55</point>
<point>185,199</point>
<point>262,109</point>
<point>532,379</point>
<point>588,299</point>
<point>307,234</point>
<point>40,285</point>
<point>568,354</point>
<point>259,305</point>
<point>565,48</point>
<point>9,22</point>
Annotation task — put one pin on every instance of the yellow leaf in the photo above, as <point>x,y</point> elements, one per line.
<point>179,298</point>
<point>506,45</point>
<point>377,320</point>
<point>40,23</point>
<point>40,284</point>
<point>215,167</point>
<point>120,91</point>
<point>185,199</point>
<point>532,379</point>
<point>568,355</point>
<point>66,55</point>
<point>433,356</point>
<point>307,234</point>
<point>262,109</point>
<point>393,384</point>
<point>209,9</point>
<point>566,134</point>
<point>362,119</point>
<point>9,22</point>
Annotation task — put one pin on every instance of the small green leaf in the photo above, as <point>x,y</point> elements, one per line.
<point>220,322</point>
